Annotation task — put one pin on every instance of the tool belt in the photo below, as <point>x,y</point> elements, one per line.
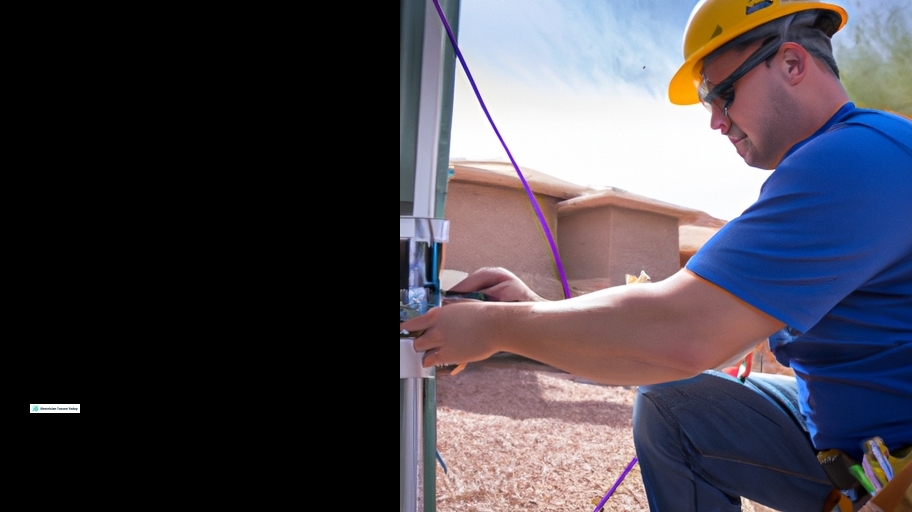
<point>883,476</point>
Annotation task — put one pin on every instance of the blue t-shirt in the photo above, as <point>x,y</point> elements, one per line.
<point>827,249</point>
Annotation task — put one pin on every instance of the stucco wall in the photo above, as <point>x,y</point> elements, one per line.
<point>492,226</point>
<point>602,234</point>
<point>611,241</point>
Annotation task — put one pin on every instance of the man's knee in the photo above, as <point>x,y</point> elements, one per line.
<point>656,407</point>
<point>651,421</point>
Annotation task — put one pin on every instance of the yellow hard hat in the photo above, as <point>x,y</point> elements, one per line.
<point>716,22</point>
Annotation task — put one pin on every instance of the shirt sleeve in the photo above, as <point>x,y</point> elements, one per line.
<point>834,215</point>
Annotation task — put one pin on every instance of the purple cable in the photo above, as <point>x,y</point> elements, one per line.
<point>616,483</point>
<point>538,212</point>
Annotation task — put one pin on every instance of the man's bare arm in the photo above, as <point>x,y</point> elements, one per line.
<point>637,334</point>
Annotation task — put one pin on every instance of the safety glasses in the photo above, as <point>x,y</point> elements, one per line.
<point>724,92</point>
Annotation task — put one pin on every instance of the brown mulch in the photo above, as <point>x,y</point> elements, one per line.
<point>519,435</point>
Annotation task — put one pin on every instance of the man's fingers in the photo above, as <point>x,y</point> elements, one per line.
<point>419,323</point>
<point>502,292</point>
<point>483,279</point>
<point>430,358</point>
<point>426,341</point>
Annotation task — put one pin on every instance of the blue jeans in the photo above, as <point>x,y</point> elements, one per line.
<point>704,442</point>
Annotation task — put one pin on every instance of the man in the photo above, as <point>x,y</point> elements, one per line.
<point>821,265</point>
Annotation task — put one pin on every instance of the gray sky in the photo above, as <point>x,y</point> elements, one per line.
<point>578,90</point>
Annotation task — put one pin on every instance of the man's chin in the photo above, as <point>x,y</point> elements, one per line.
<point>751,159</point>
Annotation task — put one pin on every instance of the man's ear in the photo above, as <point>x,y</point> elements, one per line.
<point>793,61</point>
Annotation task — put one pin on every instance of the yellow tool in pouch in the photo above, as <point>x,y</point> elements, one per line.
<point>896,494</point>
<point>887,477</point>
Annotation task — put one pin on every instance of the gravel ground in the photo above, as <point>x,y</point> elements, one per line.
<point>519,435</point>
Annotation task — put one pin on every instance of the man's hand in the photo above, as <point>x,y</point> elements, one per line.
<point>499,284</point>
<point>452,334</point>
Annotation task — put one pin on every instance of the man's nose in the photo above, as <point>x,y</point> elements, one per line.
<point>718,120</point>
